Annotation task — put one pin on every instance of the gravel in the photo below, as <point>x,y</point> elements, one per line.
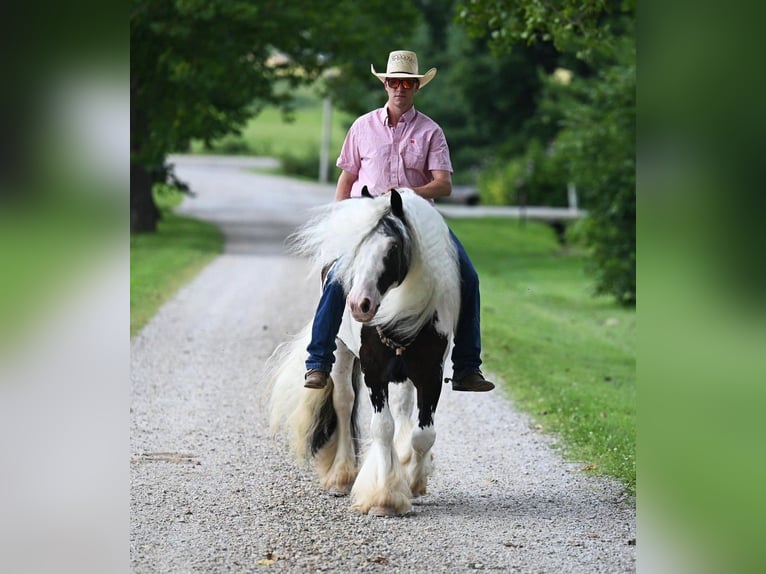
<point>213,491</point>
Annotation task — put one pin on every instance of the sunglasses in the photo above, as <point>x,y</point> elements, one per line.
<point>406,84</point>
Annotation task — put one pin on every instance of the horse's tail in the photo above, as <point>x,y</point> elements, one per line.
<point>306,416</point>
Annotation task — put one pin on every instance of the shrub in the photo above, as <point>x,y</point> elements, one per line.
<point>598,142</point>
<point>537,178</point>
<point>306,164</point>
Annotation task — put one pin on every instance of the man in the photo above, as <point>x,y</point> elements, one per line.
<point>397,146</point>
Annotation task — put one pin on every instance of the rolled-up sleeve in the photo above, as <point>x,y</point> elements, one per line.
<point>349,159</point>
<point>438,153</point>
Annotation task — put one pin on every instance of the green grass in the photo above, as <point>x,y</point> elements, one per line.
<point>162,262</point>
<point>566,357</point>
<point>268,134</point>
<point>296,144</point>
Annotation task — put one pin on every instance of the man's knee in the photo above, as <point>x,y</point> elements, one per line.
<point>468,276</point>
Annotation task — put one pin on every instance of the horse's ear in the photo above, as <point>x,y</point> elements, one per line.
<point>366,192</point>
<point>396,204</point>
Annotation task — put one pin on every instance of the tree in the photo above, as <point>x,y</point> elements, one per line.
<point>585,28</point>
<point>595,132</point>
<point>483,100</point>
<point>201,68</point>
<point>597,141</point>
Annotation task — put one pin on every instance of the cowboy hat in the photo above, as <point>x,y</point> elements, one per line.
<point>404,64</point>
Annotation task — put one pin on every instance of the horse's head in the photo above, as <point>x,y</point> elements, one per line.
<point>381,263</point>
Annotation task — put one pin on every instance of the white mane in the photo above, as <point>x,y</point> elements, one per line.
<point>433,281</point>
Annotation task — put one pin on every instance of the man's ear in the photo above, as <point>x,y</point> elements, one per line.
<point>366,192</point>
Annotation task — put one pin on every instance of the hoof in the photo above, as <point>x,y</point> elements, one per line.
<point>419,490</point>
<point>382,511</point>
<point>338,491</point>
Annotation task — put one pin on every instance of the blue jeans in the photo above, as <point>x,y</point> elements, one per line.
<point>466,354</point>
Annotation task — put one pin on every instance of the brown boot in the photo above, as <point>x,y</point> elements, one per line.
<point>316,379</point>
<point>472,381</point>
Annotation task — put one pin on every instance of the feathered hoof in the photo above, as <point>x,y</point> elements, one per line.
<point>385,506</point>
<point>419,489</point>
<point>339,491</point>
<point>384,511</point>
<point>339,481</point>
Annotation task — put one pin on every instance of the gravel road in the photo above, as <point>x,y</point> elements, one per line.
<point>212,491</point>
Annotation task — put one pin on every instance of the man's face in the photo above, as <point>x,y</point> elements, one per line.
<point>401,92</point>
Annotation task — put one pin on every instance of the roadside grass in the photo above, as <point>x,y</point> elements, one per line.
<point>566,357</point>
<point>162,262</point>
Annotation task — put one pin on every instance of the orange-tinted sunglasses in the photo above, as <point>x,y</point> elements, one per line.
<point>396,82</point>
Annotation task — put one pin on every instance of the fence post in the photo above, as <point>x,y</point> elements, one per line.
<point>324,151</point>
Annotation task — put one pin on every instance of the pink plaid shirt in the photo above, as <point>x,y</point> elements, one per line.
<point>382,156</point>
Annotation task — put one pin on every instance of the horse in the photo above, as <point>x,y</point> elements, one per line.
<point>399,269</point>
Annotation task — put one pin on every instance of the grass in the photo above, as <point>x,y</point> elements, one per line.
<point>567,358</point>
<point>268,134</point>
<point>295,144</point>
<point>162,262</point>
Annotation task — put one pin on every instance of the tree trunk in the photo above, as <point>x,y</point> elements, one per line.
<point>143,211</point>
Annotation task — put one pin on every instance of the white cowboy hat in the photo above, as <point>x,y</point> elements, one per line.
<point>404,64</point>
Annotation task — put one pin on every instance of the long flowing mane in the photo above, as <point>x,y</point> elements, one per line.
<point>432,285</point>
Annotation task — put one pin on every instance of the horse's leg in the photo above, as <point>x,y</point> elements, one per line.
<point>426,373</point>
<point>420,465</point>
<point>402,400</point>
<point>336,463</point>
<point>381,488</point>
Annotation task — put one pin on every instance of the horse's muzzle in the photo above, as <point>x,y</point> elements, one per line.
<point>363,310</point>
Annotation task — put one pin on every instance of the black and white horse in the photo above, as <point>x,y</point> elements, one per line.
<point>396,261</point>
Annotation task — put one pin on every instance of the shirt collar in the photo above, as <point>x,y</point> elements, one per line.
<point>408,116</point>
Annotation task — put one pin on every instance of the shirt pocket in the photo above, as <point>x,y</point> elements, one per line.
<point>414,158</point>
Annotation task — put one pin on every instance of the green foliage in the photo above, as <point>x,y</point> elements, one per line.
<point>200,69</point>
<point>581,27</point>
<point>568,358</point>
<point>588,124</point>
<point>538,177</point>
<point>598,141</point>
<point>306,165</point>
<point>499,183</point>
<point>483,100</point>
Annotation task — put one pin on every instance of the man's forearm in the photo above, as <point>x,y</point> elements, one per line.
<point>435,188</point>
<point>343,189</point>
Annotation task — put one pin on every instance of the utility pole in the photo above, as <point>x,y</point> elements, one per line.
<point>324,151</point>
